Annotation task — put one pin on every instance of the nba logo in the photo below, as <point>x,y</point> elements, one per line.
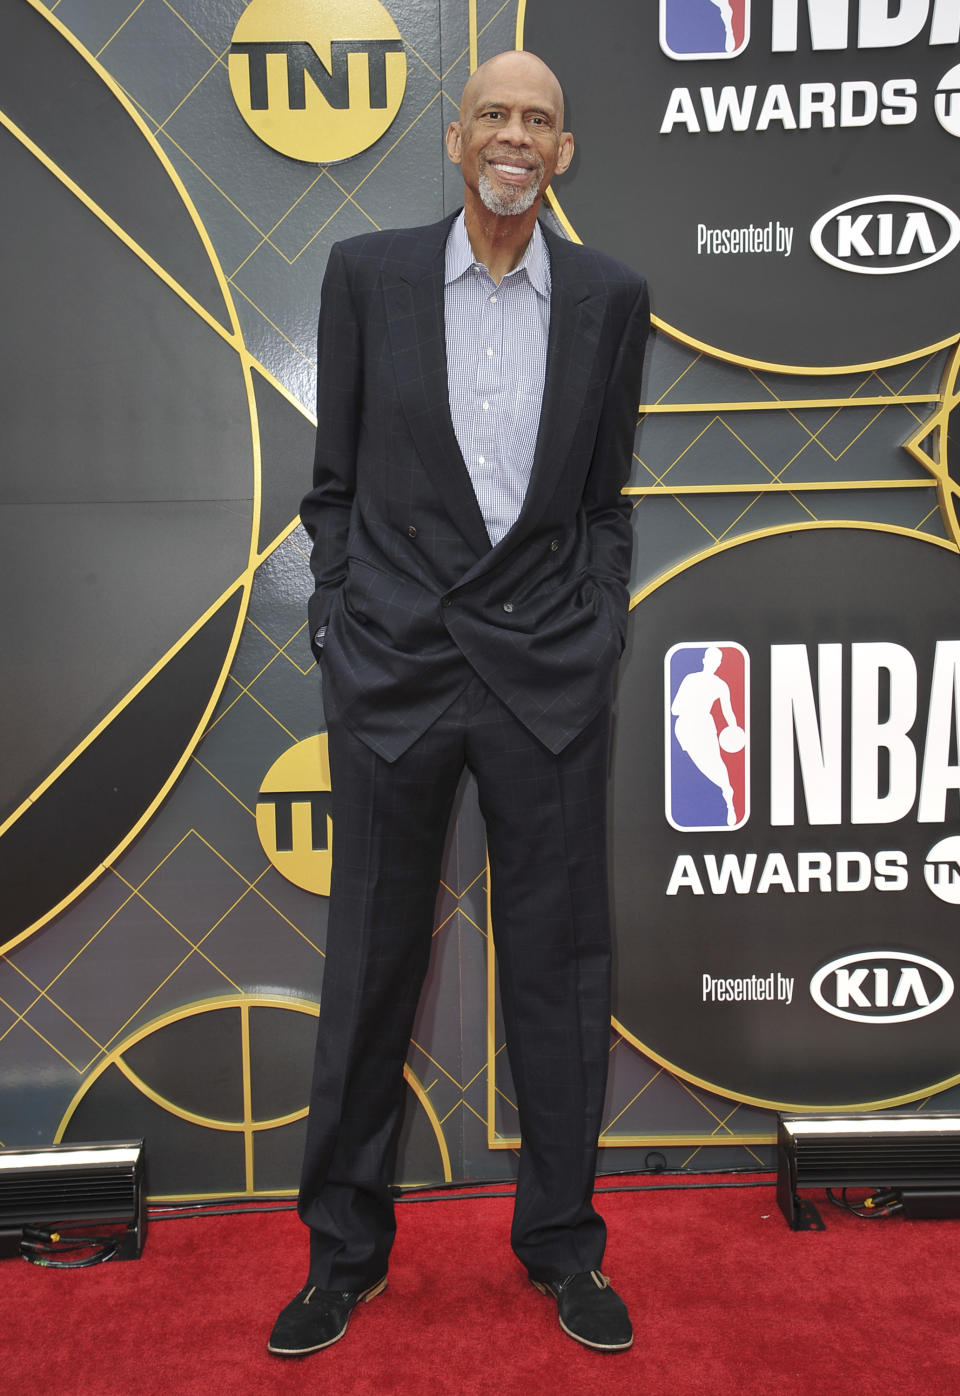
<point>704,28</point>
<point>707,736</point>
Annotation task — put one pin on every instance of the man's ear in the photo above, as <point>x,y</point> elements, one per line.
<point>565,152</point>
<point>454,141</point>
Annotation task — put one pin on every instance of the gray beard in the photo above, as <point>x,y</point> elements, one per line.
<point>507,204</point>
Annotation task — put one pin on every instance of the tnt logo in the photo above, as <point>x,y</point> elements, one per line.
<point>294,818</point>
<point>704,28</point>
<point>941,870</point>
<point>946,103</point>
<point>707,720</point>
<point>318,82</point>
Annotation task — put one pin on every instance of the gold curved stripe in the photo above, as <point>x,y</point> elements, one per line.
<point>776,529</point>
<point>245,581</point>
<point>619,1027</point>
<point>712,350</point>
<point>789,404</point>
<point>780,487</point>
<point>204,1121</point>
<point>247,1126</point>
<point>654,1141</point>
<point>938,427</point>
<point>177,1015</point>
<point>415,1084</point>
<point>761,1103</point>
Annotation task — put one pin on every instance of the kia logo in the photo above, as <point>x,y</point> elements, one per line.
<point>885,234</point>
<point>881,986</point>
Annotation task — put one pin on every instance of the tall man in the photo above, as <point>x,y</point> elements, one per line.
<point>477,390</point>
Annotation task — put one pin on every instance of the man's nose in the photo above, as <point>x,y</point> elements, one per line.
<point>514,132</point>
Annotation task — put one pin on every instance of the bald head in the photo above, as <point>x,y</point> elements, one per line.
<point>512,68</point>
<point>509,140</point>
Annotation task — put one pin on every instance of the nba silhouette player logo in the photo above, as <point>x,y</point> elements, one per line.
<point>704,28</point>
<point>707,736</point>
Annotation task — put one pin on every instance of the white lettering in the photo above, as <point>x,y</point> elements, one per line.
<point>916,229</point>
<point>754,988</point>
<point>829,24</point>
<point>850,237</point>
<point>776,107</point>
<point>853,872</point>
<point>819,745</point>
<point>899,101</point>
<point>729,105</point>
<point>869,736</point>
<point>680,111</point>
<point>775,874</point>
<point>910,983</point>
<point>881,29</point>
<point>848,988</point>
<point>684,875</point>
<point>891,870</point>
<point>943,721</point>
<point>817,98</point>
<point>814,868</point>
<point>945,25</point>
<point>815,871</point>
<point>851,95</point>
<point>730,873</point>
<point>813,104</point>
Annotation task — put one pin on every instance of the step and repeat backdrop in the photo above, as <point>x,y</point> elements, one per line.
<point>786,768</point>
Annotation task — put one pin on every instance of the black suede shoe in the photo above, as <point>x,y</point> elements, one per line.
<point>590,1311</point>
<point>315,1318</point>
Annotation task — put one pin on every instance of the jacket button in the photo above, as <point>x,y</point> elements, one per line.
<point>447,601</point>
<point>555,545</point>
<point>508,606</point>
<point>411,532</point>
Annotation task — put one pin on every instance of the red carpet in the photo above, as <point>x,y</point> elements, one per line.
<point>724,1297</point>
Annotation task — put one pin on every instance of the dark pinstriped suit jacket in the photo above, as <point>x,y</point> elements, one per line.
<point>407,582</point>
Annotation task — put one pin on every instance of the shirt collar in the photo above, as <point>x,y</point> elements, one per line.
<point>535,260</point>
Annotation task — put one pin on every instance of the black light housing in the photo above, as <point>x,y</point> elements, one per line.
<point>71,1186</point>
<point>917,1157</point>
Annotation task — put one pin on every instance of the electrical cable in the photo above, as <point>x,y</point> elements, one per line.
<point>881,1203</point>
<point>45,1248</point>
<point>435,1192</point>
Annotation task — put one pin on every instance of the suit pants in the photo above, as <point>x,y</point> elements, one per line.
<point>545,819</point>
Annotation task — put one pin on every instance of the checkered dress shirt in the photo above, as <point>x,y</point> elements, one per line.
<point>496,364</point>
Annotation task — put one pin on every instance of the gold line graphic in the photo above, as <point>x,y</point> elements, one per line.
<point>247,1125</point>
<point>234,338</point>
<point>789,404</point>
<point>779,487</point>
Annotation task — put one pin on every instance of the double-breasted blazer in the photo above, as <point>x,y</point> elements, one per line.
<point>408,585</point>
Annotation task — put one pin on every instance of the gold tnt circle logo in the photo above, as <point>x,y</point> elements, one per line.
<point>319,80</point>
<point>293,815</point>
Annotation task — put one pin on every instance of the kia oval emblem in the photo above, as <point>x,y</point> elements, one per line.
<point>881,986</point>
<point>885,234</point>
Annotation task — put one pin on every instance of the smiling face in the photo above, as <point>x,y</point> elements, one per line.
<point>509,140</point>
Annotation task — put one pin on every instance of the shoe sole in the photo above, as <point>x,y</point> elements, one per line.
<point>578,1337</point>
<point>363,1298</point>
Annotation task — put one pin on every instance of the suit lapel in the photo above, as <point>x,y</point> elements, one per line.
<point>414,306</point>
<point>576,318</point>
